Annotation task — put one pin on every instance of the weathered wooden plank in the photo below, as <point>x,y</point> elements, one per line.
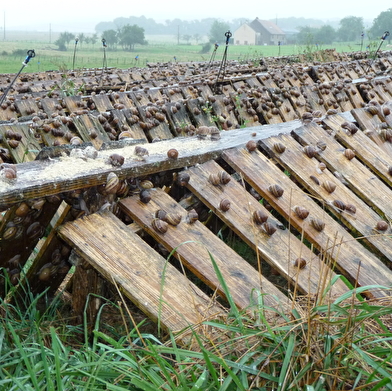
<point>195,243</point>
<point>357,176</point>
<point>351,259</point>
<point>301,167</point>
<point>39,178</point>
<point>280,250</point>
<point>102,102</point>
<point>154,285</point>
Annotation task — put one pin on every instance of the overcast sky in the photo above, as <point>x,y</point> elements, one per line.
<point>82,16</point>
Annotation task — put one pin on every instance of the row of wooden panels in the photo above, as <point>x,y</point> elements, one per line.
<point>155,114</point>
<point>364,248</point>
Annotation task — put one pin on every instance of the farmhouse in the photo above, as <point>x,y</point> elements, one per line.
<point>259,32</point>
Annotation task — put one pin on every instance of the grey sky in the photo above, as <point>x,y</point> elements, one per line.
<point>82,16</point>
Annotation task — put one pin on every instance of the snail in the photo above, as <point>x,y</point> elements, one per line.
<point>329,186</point>
<point>259,217</point>
<point>268,228</point>
<point>251,145</point>
<point>192,216</point>
<point>172,218</point>
<point>224,205</point>
<point>350,208</point>
<point>339,204</point>
<point>112,183</point>
<point>276,190</point>
<point>349,153</point>
<point>183,178</point>
<point>159,225</point>
<point>382,226</point>
<point>310,151</point>
<point>279,147</point>
<point>317,224</point>
<point>172,153</point>
<point>145,196</point>
<point>300,263</point>
<point>116,160</point>
<point>301,212</point>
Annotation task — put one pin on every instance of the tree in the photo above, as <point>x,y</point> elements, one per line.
<point>111,38</point>
<point>217,31</point>
<point>350,28</point>
<point>187,38</point>
<point>325,34</point>
<point>306,35</point>
<point>381,24</point>
<point>63,40</point>
<point>129,36</point>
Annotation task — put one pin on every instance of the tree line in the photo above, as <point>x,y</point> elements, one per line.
<point>127,35</point>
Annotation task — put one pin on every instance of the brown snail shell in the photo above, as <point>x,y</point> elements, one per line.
<point>145,196</point>
<point>268,228</point>
<point>339,204</point>
<point>112,183</point>
<point>146,184</point>
<point>160,214</point>
<point>22,210</point>
<point>224,177</point>
<point>183,178</point>
<point>159,225</point>
<point>8,174</point>
<point>45,274</point>
<point>349,154</point>
<point>310,151</point>
<point>214,179</point>
<point>251,145</point>
<point>373,110</point>
<point>301,212</point>
<point>279,147</point>
<point>116,160</point>
<point>350,208</point>
<point>322,166</point>
<point>192,216</point>
<point>300,263</point>
<point>329,186</point>
<point>172,153</point>
<point>35,231</point>
<point>140,151</point>
<point>259,216</point>
<point>173,218</point>
<point>10,233</point>
<point>276,190</point>
<point>382,225</point>
<point>317,224</point>
<point>224,205</point>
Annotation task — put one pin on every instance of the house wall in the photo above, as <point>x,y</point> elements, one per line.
<point>244,35</point>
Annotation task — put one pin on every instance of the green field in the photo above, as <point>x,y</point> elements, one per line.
<point>159,49</point>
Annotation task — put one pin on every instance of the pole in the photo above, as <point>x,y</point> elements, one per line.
<point>104,65</point>
<point>224,59</point>
<point>74,54</point>
<point>30,55</point>
<point>384,36</point>
<point>362,35</point>
<point>213,55</point>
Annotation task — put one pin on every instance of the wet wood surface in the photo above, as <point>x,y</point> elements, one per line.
<point>144,276</point>
<point>194,245</point>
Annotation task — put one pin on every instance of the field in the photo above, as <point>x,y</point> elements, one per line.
<point>159,49</point>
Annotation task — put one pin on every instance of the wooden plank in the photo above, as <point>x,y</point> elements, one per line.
<point>194,243</point>
<point>301,167</point>
<point>280,250</point>
<point>48,177</point>
<point>155,286</point>
<point>102,102</point>
<point>358,177</point>
<point>358,264</point>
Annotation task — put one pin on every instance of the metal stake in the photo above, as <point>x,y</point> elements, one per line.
<point>385,35</point>
<point>30,55</point>
<point>73,62</point>
<point>224,59</point>
<point>213,55</point>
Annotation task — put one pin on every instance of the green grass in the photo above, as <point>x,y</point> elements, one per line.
<point>336,344</point>
<point>91,56</point>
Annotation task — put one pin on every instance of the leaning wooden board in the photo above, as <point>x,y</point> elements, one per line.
<point>280,250</point>
<point>351,259</point>
<point>357,176</point>
<point>144,276</point>
<point>305,169</point>
<point>193,244</point>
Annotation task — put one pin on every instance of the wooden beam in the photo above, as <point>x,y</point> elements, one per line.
<point>53,176</point>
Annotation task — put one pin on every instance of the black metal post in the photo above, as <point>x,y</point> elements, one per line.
<point>30,55</point>
<point>74,54</point>
<point>224,59</point>
<point>384,36</point>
